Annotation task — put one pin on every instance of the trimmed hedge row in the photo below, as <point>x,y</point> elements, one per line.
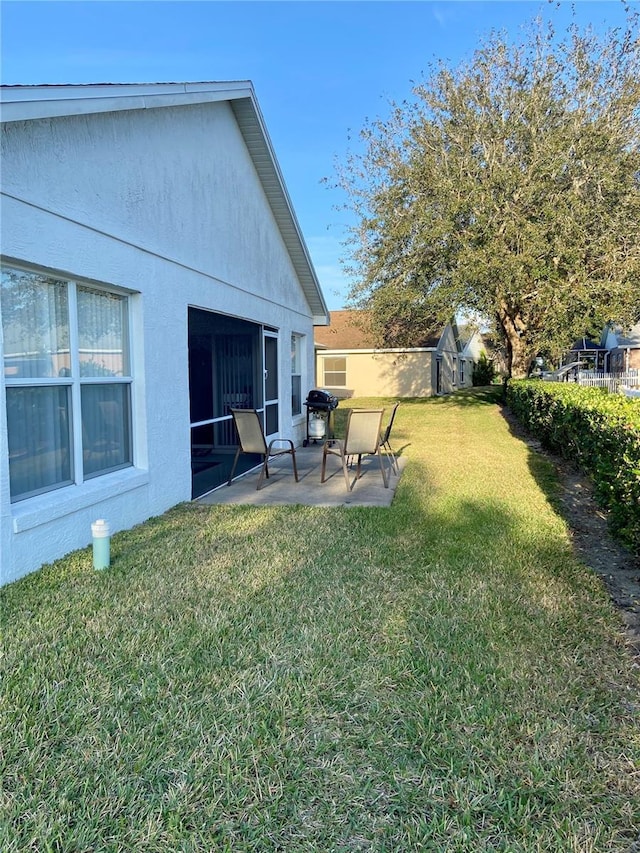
<point>598,431</point>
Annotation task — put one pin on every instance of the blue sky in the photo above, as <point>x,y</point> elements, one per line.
<point>320,69</point>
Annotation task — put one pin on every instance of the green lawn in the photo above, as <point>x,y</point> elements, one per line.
<point>442,675</point>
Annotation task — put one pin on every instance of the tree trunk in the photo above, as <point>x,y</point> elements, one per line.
<point>520,365</point>
<point>518,360</point>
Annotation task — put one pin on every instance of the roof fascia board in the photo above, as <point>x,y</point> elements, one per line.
<point>24,103</point>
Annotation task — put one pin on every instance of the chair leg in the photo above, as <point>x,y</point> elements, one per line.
<point>295,467</point>
<point>292,452</point>
<point>343,460</point>
<point>264,470</point>
<point>233,467</point>
<point>345,470</point>
<point>384,476</point>
<point>393,462</point>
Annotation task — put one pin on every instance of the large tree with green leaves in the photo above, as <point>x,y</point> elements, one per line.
<point>508,187</point>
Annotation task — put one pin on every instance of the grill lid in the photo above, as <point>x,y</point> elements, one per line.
<point>320,398</point>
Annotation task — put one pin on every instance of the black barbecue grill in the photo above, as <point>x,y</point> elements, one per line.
<point>320,407</point>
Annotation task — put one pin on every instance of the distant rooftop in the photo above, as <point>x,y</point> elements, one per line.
<point>348,331</point>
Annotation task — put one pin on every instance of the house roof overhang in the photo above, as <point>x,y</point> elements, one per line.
<point>28,103</point>
<point>616,338</point>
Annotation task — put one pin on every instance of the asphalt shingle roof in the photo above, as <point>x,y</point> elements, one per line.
<point>348,331</point>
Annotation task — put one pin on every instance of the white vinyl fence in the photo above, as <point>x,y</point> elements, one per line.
<point>613,382</point>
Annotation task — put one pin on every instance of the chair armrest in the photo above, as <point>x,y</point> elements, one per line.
<point>284,440</point>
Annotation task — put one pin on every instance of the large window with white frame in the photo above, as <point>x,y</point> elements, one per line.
<point>68,380</point>
<point>296,374</point>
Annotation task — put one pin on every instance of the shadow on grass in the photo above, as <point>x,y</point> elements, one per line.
<point>284,678</point>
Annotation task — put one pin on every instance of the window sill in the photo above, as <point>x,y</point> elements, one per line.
<point>60,502</point>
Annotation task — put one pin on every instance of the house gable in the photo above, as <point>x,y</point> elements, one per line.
<point>448,341</point>
<point>615,338</point>
<point>46,104</point>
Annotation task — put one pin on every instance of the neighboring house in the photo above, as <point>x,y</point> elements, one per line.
<point>616,352</point>
<point>588,354</point>
<point>623,348</point>
<point>154,275</point>
<point>349,364</point>
<point>471,345</point>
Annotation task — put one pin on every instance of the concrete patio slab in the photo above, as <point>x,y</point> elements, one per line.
<point>281,487</point>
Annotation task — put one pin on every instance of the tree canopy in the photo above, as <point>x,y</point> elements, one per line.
<point>508,188</point>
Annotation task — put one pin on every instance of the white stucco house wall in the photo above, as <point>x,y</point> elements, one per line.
<point>154,274</point>
<point>470,348</point>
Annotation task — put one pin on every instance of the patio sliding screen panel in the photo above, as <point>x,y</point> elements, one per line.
<point>235,378</point>
<point>225,372</point>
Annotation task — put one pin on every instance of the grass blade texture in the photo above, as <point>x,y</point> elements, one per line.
<point>441,675</point>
